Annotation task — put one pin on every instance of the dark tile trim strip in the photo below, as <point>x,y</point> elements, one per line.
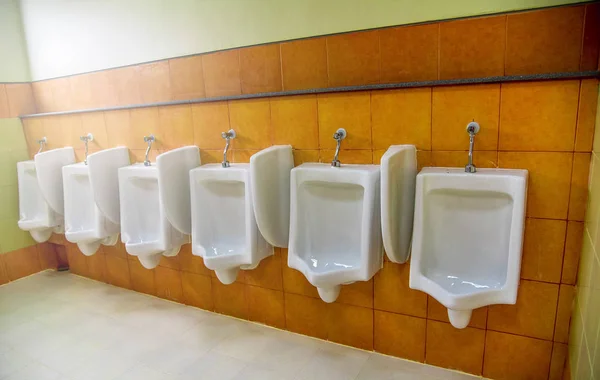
<point>431,83</point>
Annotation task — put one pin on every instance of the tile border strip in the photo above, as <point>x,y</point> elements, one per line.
<point>369,87</point>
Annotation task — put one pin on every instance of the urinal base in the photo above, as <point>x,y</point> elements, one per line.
<point>227,276</point>
<point>329,295</point>
<point>150,261</point>
<point>111,240</point>
<point>172,252</point>
<point>41,235</point>
<point>89,248</point>
<point>459,318</point>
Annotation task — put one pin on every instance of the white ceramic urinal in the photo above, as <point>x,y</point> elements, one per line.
<point>398,176</point>
<point>224,228</point>
<point>91,193</point>
<point>41,206</point>
<point>467,237</point>
<point>146,228</point>
<point>335,234</point>
<point>270,187</point>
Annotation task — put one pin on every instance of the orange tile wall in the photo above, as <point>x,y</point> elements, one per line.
<point>545,127</point>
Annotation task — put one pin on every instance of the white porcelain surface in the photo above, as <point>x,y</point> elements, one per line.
<point>467,238</point>
<point>104,179</point>
<point>86,187</point>
<point>35,215</point>
<point>145,229</point>
<point>335,233</point>
<point>398,177</point>
<point>270,172</point>
<point>48,168</point>
<point>55,325</point>
<point>173,182</point>
<point>224,229</point>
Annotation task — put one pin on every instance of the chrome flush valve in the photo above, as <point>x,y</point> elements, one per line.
<point>86,139</point>
<point>472,130</point>
<point>338,136</point>
<point>148,140</point>
<point>230,134</point>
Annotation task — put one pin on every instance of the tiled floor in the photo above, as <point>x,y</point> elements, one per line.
<point>61,326</point>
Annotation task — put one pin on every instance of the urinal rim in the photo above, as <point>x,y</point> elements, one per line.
<point>507,293</point>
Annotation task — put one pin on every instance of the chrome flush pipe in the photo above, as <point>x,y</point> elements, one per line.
<point>148,140</point>
<point>472,129</point>
<point>228,136</point>
<point>338,136</point>
<point>87,138</point>
<point>42,143</point>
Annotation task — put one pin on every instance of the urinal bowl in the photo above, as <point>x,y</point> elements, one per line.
<point>467,238</point>
<point>35,215</point>
<point>85,224</point>
<point>145,230</point>
<point>335,236</point>
<point>224,229</point>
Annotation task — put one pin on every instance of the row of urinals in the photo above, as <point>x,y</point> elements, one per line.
<point>466,229</point>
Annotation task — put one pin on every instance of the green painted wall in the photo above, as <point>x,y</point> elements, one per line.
<point>584,339</point>
<point>13,148</point>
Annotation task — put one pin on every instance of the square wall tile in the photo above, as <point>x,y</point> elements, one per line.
<point>222,73</point>
<point>539,116</point>
<point>94,123</point>
<point>586,115</point>
<point>400,335</point>
<point>81,92</point>
<point>142,279</point>
<point>359,293</point>
<point>190,262</point>
<point>295,121</point>
<point>294,281</point>
<point>104,91</point>
<point>544,41</point>
<point>168,284</point>
<point>265,306</point>
<point>393,294</point>
<point>472,48</point>
<point>176,126</point>
<point>210,119</point>
<point>155,84</point>
<point>549,181</point>
<point>230,299</point>
<point>353,58</point>
<point>304,64</point>
<point>558,361</point>
<point>591,38</point>
<point>251,120</point>
<point>543,247</point>
<point>117,271</point>
<point>77,261</point>
<point>20,99</point>
<point>4,107</point>
<point>351,111</point>
<point>409,53</point>
<point>97,266</point>
<point>260,69</point>
<point>563,313</point>
<point>574,239</point>
<point>401,117</point>
<point>306,315</point>
<point>449,347</point>
<point>347,318</point>
<point>187,78</point>
<point>22,262</point>
<point>579,186</point>
<point>533,315</point>
<point>143,122</point>
<point>267,274</point>
<point>455,106</point>
<point>197,290</point>
<point>125,82</point>
<point>458,159</point>
<point>505,359</point>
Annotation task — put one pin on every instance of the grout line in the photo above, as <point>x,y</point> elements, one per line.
<point>387,86</point>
